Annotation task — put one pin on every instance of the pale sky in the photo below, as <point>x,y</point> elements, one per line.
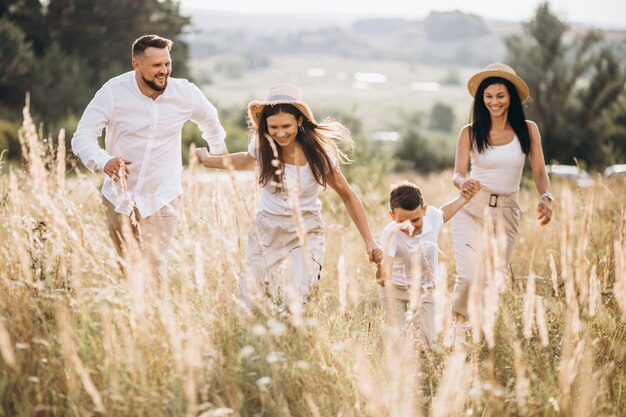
<point>610,14</point>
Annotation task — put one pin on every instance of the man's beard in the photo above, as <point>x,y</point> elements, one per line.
<point>153,85</point>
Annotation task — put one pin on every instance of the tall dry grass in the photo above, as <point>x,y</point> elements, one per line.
<point>77,338</point>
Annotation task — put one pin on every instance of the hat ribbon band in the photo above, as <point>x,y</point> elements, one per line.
<point>281,98</point>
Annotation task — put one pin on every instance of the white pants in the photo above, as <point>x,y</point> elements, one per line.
<point>153,233</point>
<point>279,266</point>
<point>396,303</point>
<point>467,235</point>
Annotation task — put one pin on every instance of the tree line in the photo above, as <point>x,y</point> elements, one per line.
<point>63,50</point>
<point>577,88</point>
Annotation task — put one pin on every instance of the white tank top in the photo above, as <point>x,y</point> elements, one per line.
<point>499,168</point>
<point>297,179</point>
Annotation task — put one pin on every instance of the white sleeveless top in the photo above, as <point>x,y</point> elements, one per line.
<point>499,168</point>
<point>296,179</point>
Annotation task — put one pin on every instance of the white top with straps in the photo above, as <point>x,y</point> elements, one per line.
<point>499,168</point>
<point>297,178</point>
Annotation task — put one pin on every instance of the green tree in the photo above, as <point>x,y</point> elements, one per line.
<point>442,118</point>
<point>30,17</point>
<point>613,124</point>
<point>78,44</point>
<point>572,86</point>
<point>103,38</point>
<point>17,59</point>
<point>423,154</point>
<point>60,89</point>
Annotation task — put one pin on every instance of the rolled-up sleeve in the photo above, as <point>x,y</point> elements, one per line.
<point>85,139</point>
<point>204,114</point>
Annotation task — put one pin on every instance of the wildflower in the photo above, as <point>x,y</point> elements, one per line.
<point>246,351</point>
<point>274,357</point>
<point>259,330</point>
<point>263,381</point>
<point>276,328</point>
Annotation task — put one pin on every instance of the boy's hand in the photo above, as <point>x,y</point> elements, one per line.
<point>380,279</point>
<point>374,252</point>
<point>377,256</point>
<point>469,188</point>
<point>466,195</point>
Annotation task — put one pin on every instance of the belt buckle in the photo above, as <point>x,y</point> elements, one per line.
<point>493,200</point>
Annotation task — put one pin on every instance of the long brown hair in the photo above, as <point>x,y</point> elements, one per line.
<point>481,119</point>
<point>318,141</point>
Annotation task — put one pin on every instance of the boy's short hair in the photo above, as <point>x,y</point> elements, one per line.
<point>405,195</point>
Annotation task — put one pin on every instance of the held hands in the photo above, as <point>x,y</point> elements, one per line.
<point>204,156</point>
<point>380,279</point>
<point>469,188</point>
<point>544,211</point>
<point>117,168</point>
<point>374,252</point>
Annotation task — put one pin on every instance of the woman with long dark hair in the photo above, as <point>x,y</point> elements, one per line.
<point>496,143</point>
<point>297,157</point>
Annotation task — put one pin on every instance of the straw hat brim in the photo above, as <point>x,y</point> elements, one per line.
<point>520,85</point>
<point>255,109</point>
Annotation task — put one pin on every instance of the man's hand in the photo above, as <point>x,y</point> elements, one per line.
<point>117,168</point>
<point>202,154</point>
<point>204,157</point>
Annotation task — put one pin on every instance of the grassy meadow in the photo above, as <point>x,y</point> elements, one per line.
<point>79,339</point>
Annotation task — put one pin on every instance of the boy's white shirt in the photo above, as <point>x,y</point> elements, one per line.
<point>407,251</point>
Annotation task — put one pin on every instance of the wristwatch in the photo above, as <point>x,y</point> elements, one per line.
<point>548,196</point>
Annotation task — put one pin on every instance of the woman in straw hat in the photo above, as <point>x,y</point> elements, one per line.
<point>297,157</point>
<point>496,144</point>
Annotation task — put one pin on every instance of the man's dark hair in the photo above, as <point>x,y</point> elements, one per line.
<point>405,195</point>
<point>150,41</point>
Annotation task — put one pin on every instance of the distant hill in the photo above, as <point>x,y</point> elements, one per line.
<point>442,38</point>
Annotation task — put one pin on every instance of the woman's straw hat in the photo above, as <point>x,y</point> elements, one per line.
<point>502,71</point>
<point>279,94</point>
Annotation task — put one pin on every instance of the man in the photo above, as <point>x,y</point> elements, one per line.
<point>144,111</point>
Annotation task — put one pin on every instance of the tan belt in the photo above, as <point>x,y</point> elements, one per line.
<point>494,199</point>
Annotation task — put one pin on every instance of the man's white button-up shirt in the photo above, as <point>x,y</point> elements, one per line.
<point>146,132</point>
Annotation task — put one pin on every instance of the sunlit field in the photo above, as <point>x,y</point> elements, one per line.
<point>77,338</point>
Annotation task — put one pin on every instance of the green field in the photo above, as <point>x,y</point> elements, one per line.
<point>381,106</point>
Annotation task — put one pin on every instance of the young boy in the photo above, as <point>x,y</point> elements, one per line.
<point>409,246</point>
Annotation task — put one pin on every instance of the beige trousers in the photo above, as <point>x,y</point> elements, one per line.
<point>467,235</point>
<point>396,302</point>
<point>279,265</point>
<point>153,233</point>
